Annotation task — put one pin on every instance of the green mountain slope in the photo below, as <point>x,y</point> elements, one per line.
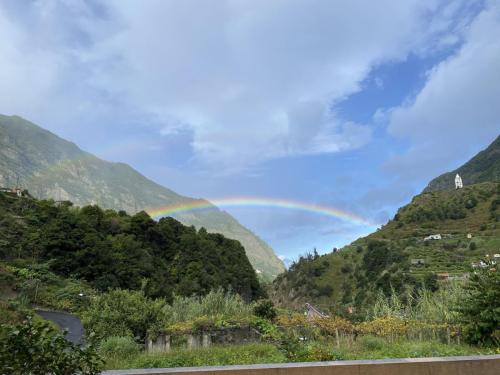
<point>50,167</point>
<point>397,256</point>
<point>110,249</point>
<point>485,166</point>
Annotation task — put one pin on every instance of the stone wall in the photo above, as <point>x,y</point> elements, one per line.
<point>229,336</point>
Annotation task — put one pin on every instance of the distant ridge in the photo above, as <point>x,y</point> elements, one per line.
<point>51,167</point>
<point>483,167</point>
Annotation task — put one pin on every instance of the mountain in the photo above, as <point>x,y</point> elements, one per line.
<point>110,249</point>
<point>398,256</point>
<point>51,167</point>
<point>485,166</point>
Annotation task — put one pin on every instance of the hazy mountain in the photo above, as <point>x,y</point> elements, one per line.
<point>51,167</point>
<point>483,167</point>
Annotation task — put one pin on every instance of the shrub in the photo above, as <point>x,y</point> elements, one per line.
<point>119,346</point>
<point>123,313</point>
<point>215,305</point>
<point>372,342</point>
<point>472,246</point>
<point>479,307</point>
<point>265,309</point>
<point>35,348</point>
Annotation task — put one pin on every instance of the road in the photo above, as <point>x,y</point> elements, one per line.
<point>65,321</point>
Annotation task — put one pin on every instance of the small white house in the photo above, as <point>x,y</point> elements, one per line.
<point>458,182</point>
<point>469,235</point>
<point>496,255</point>
<point>433,237</point>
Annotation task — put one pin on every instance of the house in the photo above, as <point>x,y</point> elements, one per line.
<point>14,191</point>
<point>458,182</point>
<point>469,235</point>
<point>496,255</point>
<point>313,313</point>
<point>433,237</point>
<point>443,275</point>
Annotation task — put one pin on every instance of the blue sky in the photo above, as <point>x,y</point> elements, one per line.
<point>354,105</point>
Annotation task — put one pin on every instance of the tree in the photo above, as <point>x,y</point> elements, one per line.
<point>431,282</point>
<point>35,348</point>
<point>479,308</point>
<point>265,309</point>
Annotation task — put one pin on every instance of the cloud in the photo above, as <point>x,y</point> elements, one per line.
<point>456,112</point>
<point>379,83</point>
<point>312,130</point>
<point>251,80</point>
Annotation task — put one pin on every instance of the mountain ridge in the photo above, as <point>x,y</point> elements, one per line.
<point>484,166</point>
<point>51,167</point>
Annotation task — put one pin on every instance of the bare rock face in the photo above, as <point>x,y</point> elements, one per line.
<point>51,167</point>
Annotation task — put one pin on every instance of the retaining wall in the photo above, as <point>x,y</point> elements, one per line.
<point>472,365</point>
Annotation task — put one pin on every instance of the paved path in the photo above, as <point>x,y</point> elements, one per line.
<point>65,321</point>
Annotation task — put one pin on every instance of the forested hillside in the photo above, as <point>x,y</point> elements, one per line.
<point>110,249</point>
<point>397,257</point>
<point>53,168</point>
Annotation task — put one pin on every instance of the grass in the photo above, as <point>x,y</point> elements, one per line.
<point>367,347</point>
<point>213,356</point>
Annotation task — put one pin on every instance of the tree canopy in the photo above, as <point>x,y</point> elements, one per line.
<point>113,250</point>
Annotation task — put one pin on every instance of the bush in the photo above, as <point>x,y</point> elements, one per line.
<point>297,349</point>
<point>123,313</point>
<point>216,305</point>
<point>119,346</point>
<point>372,342</point>
<point>479,307</point>
<point>472,246</point>
<point>35,348</point>
<point>265,309</point>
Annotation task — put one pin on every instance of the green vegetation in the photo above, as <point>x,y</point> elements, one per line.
<point>215,310</point>
<point>483,167</point>
<point>110,249</point>
<point>479,307</point>
<point>123,313</point>
<point>265,309</point>
<point>396,257</point>
<point>367,347</point>
<point>37,347</point>
<point>213,356</point>
<point>131,279</point>
<point>119,347</point>
<point>53,168</point>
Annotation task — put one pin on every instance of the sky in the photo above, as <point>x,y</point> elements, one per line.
<point>352,105</point>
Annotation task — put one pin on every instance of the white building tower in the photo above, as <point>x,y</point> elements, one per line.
<point>458,182</point>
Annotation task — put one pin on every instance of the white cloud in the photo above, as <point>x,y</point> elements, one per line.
<point>379,83</point>
<point>252,80</point>
<point>457,110</point>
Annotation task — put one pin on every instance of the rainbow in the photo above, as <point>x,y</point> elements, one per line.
<point>256,202</point>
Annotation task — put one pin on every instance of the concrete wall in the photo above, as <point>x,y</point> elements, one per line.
<point>244,335</point>
<point>474,365</point>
